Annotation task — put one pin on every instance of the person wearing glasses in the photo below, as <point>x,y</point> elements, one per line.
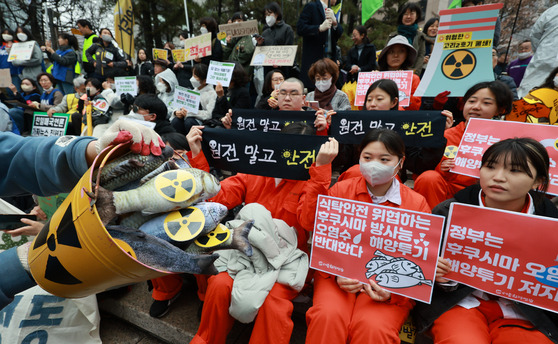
<point>270,91</point>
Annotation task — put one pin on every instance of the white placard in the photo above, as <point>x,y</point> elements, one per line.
<point>186,98</point>
<point>21,51</point>
<point>220,72</point>
<point>126,84</point>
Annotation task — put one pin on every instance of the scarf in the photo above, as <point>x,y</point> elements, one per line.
<point>324,98</point>
<point>408,31</point>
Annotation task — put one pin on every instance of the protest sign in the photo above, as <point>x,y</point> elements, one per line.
<point>491,250</point>
<point>269,120</point>
<point>160,54</point>
<point>403,79</point>
<point>275,155</point>
<point>126,84</point>
<point>483,133</point>
<point>179,55</point>
<point>274,55</point>
<point>539,106</point>
<point>220,72</point>
<point>199,46</point>
<point>5,78</point>
<point>417,128</point>
<point>49,204</point>
<point>21,51</point>
<point>186,98</point>
<point>397,248</point>
<point>246,28</point>
<point>462,53</point>
<point>43,125</point>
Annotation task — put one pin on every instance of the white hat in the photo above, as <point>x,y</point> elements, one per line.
<point>399,39</point>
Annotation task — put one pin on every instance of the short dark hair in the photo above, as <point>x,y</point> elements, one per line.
<point>153,104</point>
<point>96,83</point>
<point>501,92</point>
<point>274,7</point>
<point>387,85</point>
<point>85,23</point>
<point>106,28</point>
<point>300,128</point>
<point>413,7</point>
<point>238,15</point>
<point>429,23</point>
<point>147,54</point>
<point>51,78</point>
<point>176,140</point>
<point>391,139</point>
<point>521,152</point>
<point>201,70</point>
<point>323,66</point>
<point>33,82</point>
<point>146,84</point>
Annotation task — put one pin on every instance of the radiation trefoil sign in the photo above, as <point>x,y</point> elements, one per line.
<point>462,54</point>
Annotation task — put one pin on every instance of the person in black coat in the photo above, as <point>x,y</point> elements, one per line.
<point>316,24</point>
<point>237,95</point>
<point>362,56</point>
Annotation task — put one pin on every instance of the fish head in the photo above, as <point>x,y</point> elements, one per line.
<point>167,152</point>
<point>382,279</point>
<point>215,210</point>
<point>210,184</point>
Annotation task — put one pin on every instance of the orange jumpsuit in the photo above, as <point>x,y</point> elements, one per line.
<point>437,186</point>
<point>340,317</point>
<point>414,104</point>
<point>273,323</point>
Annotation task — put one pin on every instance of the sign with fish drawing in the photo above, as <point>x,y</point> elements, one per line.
<point>491,250</point>
<point>275,155</point>
<point>403,79</point>
<point>396,248</point>
<point>483,133</point>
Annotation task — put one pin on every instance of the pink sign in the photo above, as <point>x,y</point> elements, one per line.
<point>501,253</point>
<point>397,248</point>
<point>403,79</point>
<point>483,133</point>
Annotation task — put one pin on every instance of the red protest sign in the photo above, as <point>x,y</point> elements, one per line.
<point>397,248</point>
<point>501,253</point>
<point>482,133</point>
<point>403,79</point>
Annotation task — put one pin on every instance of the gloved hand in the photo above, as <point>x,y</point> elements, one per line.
<point>331,16</point>
<point>440,100</point>
<point>144,140</point>
<point>326,25</point>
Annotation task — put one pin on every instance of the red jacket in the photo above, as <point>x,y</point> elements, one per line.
<point>281,200</point>
<point>415,102</point>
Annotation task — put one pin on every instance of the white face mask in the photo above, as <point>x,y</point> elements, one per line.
<point>323,85</point>
<point>91,91</point>
<point>194,82</point>
<point>27,88</point>
<point>556,81</point>
<point>377,173</point>
<point>113,87</point>
<point>137,116</point>
<point>523,56</point>
<point>106,38</point>
<point>162,88</point>
<point>48,90</point>
<point>22,37</point>
<point>270,20</point>
<point>203,30</point>
<point>7,37</point>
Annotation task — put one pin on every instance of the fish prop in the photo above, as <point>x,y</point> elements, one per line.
<point>223,238</point>
<point>158,253</point>
<point>183,162</point>
<point>134,220</point>
<point>131,167</point>
<point>182,226</point>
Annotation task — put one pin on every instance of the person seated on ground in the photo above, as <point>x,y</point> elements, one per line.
<point>178,142</point>
<point>149,108</point>
<point>183,121</point>
<point>70,103</point>
<point>51,96</point>
<point>29,93</point>
<point>237,95</point>
<point>398,54</point>
<point>101,111</point>
<point>484,100</point>
<point>513,177</point>
<point>345,310</point>
<point>145,86</point>
<point>280,197</point>
<point>324,74</point>
<point>109,89</point>
<point>166,83</point>
<point>6,123</point>
<point>270,90</point>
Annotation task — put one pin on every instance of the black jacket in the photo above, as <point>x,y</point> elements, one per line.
<point>442,300</point>
<point>236,98</point>
<point>366,61</point>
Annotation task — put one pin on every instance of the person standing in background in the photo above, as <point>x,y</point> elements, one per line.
<point>517,67</point>
<point>86,29</point>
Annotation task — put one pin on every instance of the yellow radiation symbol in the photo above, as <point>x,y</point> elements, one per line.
<point>127,248</point>
<point>459,64</point>
<point>217,236</point>
<point>556,144</point>
<point>450,152</point>
<point>176,186</point>
<point>184,224</point>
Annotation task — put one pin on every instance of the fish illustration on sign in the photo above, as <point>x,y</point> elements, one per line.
<point>395,272</point>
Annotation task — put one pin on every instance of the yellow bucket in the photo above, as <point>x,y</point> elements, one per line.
<point>74,255</point>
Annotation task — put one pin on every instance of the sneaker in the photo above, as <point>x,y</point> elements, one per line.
<point>160,308</point>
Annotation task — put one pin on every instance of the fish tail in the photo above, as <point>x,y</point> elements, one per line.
<point>240,238</point>
<point>205,262</point>
<point>427,282</point>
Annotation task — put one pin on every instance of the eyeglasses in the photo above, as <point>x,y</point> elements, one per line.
<point>292,94</point>
<point>277,79</point>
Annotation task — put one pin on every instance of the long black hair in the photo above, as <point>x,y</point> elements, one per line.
<point>501,92</point>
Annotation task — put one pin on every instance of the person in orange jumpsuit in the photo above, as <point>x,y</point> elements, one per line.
<point>345,310</point>
<point>273,323</point>
<point>484,100</point>
<point>513,177</point>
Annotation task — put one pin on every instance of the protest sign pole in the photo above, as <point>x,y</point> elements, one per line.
<point>187,21</point>
<point>513,29</point>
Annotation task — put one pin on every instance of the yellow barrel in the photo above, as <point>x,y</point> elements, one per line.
<point>74,256</point>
